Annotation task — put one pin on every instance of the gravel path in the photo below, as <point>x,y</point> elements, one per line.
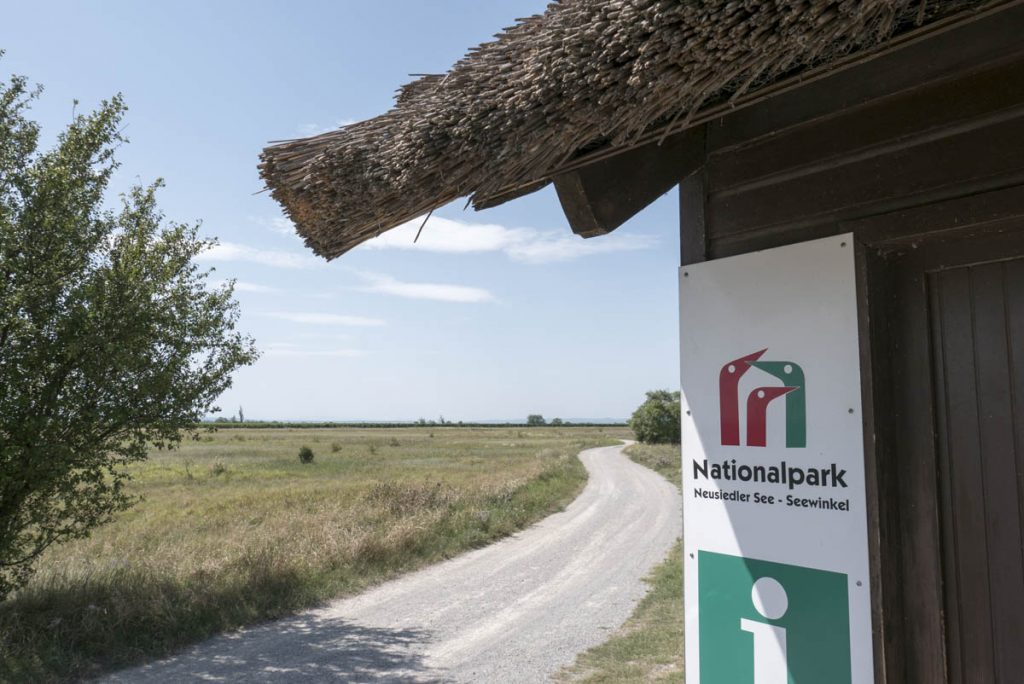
<point>515,611</point>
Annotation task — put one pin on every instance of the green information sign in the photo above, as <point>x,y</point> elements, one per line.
<point>771,623</point>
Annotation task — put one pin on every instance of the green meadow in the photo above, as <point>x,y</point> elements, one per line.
<point>232,529</point>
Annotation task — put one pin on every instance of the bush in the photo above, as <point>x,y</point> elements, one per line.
<point>112,339</point>
<point>657,420</point>
<point>305,455</point>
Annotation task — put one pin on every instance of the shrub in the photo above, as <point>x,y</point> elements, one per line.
<point>335,447</point>
<point>112,339</point>
<point>305,455</point>
<point>657,420</point>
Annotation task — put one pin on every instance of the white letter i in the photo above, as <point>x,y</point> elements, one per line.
<point>770,662</point>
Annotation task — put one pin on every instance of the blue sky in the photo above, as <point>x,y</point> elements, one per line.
<point>492,315</point>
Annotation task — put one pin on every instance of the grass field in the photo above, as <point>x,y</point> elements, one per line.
<point>232,530</point>
<point>662,458</point>
<point>649,647</point>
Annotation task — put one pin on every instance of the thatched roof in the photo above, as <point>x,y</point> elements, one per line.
<point>583,75</point>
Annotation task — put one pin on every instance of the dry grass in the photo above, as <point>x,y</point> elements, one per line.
<point>234,530</point>
<point>649,647</point>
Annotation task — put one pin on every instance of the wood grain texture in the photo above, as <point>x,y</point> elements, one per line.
<point>984,569</point>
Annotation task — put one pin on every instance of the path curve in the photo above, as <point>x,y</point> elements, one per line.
<point>515,611</point>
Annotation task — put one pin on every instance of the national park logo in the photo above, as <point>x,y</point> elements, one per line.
<point>793,388</point>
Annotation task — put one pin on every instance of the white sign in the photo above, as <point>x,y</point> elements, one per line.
<point>775,520</point>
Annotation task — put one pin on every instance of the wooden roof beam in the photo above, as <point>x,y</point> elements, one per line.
<point>600,197</point>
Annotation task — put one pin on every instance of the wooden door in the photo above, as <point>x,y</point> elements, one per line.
<point>977,330</point>
<point>958,352</point>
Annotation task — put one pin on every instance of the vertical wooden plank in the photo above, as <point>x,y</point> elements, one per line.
<point>1015,325</point>
<point>997,298</point>
<point>951,616</point>
<point>692,219</point>
<point>873,285</point>
<point>913,450</point>
<point>966,529</point>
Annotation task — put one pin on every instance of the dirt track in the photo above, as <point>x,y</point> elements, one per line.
<point>515,611</point>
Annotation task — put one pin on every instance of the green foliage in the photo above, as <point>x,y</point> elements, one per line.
<point>557,421</point>
<point>305,454</point>
<point>535,419</point>
<point>657,420</point>
<point>110,339</point>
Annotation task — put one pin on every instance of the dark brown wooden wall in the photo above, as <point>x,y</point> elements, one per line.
<point>937,119</point>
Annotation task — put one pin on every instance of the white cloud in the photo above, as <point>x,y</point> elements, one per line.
<point>233,251</point>
<point>243,286</point>
<point>321,335</point>
<point>317,318</point>
<point>385,284</point>
<point>284,349</point>
<point>550,248</point>
<point>521,244</point>
<point>276,224</point>
<point>306,130</point>
<point>447,235</point>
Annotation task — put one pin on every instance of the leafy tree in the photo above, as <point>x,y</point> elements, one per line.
<point>111,339</point>
<point>557,421</point>
<point>657,420</point>
<point>535,419</point>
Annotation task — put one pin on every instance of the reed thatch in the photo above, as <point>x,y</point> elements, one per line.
<point>585,74</point>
